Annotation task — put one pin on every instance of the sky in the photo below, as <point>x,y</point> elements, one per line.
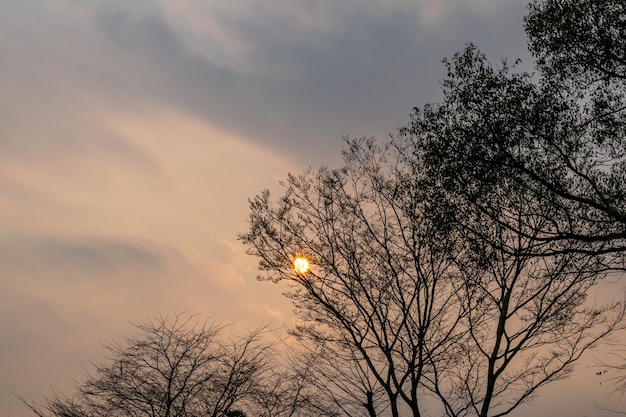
<point>133,133</point>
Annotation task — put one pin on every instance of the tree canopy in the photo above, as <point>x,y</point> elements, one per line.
<point>579,40</point>
<point>173,367</point>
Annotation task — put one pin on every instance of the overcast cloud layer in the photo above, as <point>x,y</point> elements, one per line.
<point>133,132</point>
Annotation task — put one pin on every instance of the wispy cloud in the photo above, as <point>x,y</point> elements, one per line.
<point>134,132</point>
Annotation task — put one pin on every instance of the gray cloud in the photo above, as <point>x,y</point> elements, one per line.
<point>108,215</point>
<point>97,258</point>
<point>358,69</point>
<point>361,79</point>
<point>304,87</point>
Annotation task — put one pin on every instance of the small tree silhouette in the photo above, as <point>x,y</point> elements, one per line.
<point>174,367</point>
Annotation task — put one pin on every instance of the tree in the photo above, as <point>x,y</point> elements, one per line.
<point>498,132</point>
<point>296,390</point>
<point>528,319</point>
<point>558,134</point>
<point>580,47</point>
<point>292,388</point>
<point>582,44</point>
<point>579,40</point>
<point>172,368</point>
<point>378,295</point>
<point>409,308</point>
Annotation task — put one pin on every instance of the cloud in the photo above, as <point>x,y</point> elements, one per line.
<point>93,275</point>
<point>268,311</point>
<point>134,132</point>
<point>103,256</point>
<point>291,78</point>
<point>304,74</point>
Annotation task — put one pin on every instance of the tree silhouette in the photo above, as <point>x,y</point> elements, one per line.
<point>172,368</point>
<point>579,41</point>
<point>558,134</point>
<point>580,45</point>
<point>406,306</point>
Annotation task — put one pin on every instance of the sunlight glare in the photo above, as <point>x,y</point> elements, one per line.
<point>301,265</point>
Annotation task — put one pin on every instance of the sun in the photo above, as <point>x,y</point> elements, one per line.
<point>301,265</point>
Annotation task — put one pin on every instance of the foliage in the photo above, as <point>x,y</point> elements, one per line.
<point>498,133</point>
<point>581,44</point>
<point>579,40</point>
<point>558,134</point>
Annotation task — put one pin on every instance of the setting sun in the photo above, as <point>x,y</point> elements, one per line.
<point>301,265</point>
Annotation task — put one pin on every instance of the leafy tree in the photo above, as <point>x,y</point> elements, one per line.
<point>559,134</point>
<point>172,368</point>
<point>582,45</point>
<point>498,133</point>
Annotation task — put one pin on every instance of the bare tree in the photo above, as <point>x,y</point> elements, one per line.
<point>172,368</point>
<point>379,295</point>
<point>612,373</point>
<point>294,388</point>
